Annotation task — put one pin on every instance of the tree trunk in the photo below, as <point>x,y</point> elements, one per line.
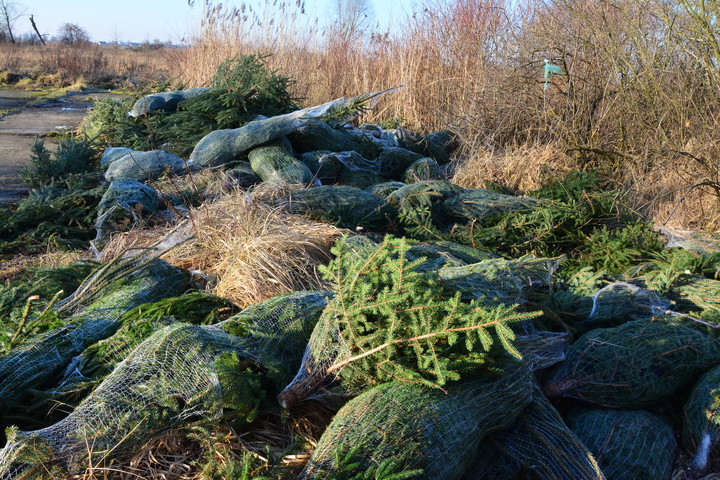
<point>32,20</point>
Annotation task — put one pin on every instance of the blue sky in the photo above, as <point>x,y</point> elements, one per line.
<point>147,20</point>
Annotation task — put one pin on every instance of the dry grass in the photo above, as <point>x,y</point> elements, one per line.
<point>520,170</point>
<point>18,264</point>
<point>638,86</point>
<point>182,454</point>
<point>60,65</point>
<point>247,250</point>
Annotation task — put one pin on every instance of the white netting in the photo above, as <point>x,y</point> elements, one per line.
<point>416,428</point>
<point>628,301</point>
<point>169,379</point>
<point>92,313</point>
<point>697,242</point>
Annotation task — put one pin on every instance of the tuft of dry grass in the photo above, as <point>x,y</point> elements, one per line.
<point>248,250</point>
<point>182,454</point>
<point>16,265</point>
<point>519,169</point>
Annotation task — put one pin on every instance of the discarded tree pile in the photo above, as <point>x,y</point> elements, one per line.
<point>455,333</point>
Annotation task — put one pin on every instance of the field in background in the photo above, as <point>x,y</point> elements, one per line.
<point>639,103</point>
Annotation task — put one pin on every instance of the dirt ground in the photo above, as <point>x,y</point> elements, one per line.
<point>21,119</point>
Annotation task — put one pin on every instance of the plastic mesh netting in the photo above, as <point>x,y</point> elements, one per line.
<point>622,300</point>
<point>697,242</point>
<point>144,166</point>
<point>418,428</point>
<point>166,101</point>
<point>543,444</point>
<point>92,314</point>
<point>222,146</point>
<point>628,445</point>
<point>172,377</point>
<point>701,421</point>
<point>345,206</point>
<point>479,204</point>
<point>273,162</point>
<point>636,365</point>
<point>389,320</point>
<point>497,280</point>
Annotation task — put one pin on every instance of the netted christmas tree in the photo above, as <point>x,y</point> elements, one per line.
<point>181,373</point>
<point>388,321</point>
<point>636,365</point>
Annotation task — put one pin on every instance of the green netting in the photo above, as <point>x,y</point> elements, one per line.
<point>497,280</point>
<point>416,428</point>
<point>166,101</point>
<point>113,153</point>
<point>360,179</point>
<point>344,206</point>
<point>99,359</point>
<point>318,135</point>
<point>223,146</point>
<point>91,313</point>
<point>492,463</point>
<point>389,320</point>
<point>439,145</point>
<point>628,445</point>
<point>636,365</point>
<point>321,164</point>
<point>544,445</point>
<point>274,162</point>
<point>701,421</point>
<point>243,175</point>
<point>420,170</point>
<point>144,166</point>
<point>480,204</point>
<point>179,374</point>
<point>383,190</point>
<point>393,161</point>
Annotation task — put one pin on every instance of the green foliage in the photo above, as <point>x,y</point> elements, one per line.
<point>347,466</point>
<point>197,308</point>
<point>616,250</point>
<point>241,386</point>
<point>581,218</point>
<point>59,215</point>
<point>242,89</point>
<point>107,123</point>
<point>73,155</point>
<point>398,323</point>
<point>680,261</point>
<point>46,284</point>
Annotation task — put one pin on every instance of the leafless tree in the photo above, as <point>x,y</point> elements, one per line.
<point>351,19</point>
<point>9,13</point>
<point>72,33</point>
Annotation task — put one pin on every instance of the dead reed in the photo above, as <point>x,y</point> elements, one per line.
<point>247,250</point>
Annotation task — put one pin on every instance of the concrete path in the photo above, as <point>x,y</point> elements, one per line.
<point>21,120</point>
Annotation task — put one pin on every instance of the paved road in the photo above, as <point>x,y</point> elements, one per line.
<point>26,120</point>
